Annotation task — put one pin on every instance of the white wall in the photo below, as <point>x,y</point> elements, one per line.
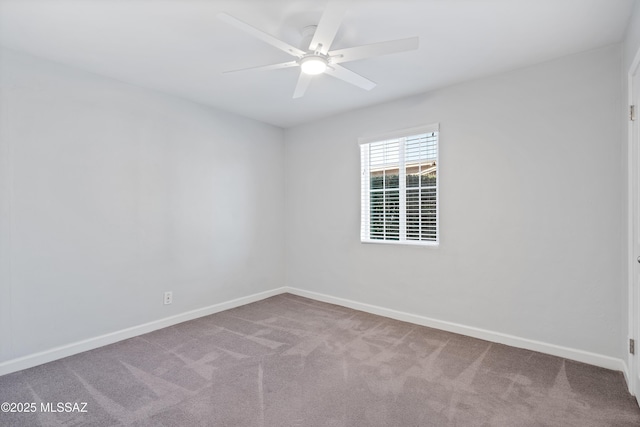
<point>111,194</point>
<point>630,46</point>
<point>631,42</point>
<point>531,206</point>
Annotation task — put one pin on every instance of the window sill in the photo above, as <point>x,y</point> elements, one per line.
<point>404,243</point>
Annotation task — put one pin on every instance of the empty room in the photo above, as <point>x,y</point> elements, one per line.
<point>319,213</point>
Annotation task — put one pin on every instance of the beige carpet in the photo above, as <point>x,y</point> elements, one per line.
<point>291,361</point>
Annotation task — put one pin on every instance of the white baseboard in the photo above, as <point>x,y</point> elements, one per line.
<point>627,377</point>
<point>511,340</point>
<point>36,359</point>
<point>56,353</point>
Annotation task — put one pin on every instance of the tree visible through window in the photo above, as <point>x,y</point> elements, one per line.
<point>400,188</point>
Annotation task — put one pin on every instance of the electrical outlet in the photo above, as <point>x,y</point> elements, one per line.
<point>168,298</point>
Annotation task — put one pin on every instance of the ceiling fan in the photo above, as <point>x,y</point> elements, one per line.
<point>318,58</point>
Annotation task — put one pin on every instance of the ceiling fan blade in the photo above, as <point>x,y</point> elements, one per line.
<point>375,49</point>
<point>349,76</point>
<point>267,38</point>
<point>266,67</point>
<point>303,84</point>
<point>328,25</point>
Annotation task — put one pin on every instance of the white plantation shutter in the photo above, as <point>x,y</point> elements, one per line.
<point>399,187</point>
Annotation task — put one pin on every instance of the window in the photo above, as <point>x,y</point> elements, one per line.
<point>399,191</point>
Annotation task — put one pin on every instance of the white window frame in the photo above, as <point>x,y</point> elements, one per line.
<point>365,192</point>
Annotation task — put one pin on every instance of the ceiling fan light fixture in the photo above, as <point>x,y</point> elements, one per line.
<point>313,65</point>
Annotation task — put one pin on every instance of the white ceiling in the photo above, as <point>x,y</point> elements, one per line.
<point>180,47</point>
